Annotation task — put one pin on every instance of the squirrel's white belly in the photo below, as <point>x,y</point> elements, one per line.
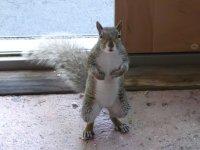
<point>107,90</point>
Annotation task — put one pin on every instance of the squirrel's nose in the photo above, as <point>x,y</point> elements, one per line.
<point>110,49</point>
<point>110,44</point>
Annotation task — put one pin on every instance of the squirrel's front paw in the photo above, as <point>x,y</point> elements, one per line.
<point>99,75</point>
<point>115,73</point>
<point>120,71</point>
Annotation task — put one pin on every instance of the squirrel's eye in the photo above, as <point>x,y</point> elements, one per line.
<point>101,35</point>
<point>119,36</point>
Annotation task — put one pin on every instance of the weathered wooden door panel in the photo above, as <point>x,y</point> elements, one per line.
<point>151,26</point>
<point>176,25</point>
<point>137,33</point>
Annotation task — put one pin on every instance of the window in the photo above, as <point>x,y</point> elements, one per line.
<point>23,23</point>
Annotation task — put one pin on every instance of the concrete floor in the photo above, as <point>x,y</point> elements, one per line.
<point>160,120</point>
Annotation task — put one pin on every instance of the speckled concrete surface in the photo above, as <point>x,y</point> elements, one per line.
<point>160,120</point>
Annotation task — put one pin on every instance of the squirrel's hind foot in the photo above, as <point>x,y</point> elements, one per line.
<point>88,133</point>
<point>119,126</point>
<point>123,128</point>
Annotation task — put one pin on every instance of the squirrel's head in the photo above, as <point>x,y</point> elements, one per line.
<point>109,37</point>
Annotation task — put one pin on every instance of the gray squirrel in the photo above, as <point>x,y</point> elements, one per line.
<point>99,73</point>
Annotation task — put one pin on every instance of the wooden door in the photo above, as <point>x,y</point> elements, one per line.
<point>154,26</point>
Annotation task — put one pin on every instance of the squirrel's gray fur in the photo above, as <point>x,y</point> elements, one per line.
<point>99,72</point>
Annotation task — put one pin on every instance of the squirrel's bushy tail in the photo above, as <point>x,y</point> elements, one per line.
<point>69,61</point>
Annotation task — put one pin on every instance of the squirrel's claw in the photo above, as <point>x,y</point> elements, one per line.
<point>87,135</point>
<point>123,128</point>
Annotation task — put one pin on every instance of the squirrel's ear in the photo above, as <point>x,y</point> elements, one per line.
<point>119,26</point>
<point>99,27</point>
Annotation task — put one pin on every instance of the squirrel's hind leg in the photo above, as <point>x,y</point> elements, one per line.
<point>119,126</point>
<point>119,109</point>
<point>89,114</point>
